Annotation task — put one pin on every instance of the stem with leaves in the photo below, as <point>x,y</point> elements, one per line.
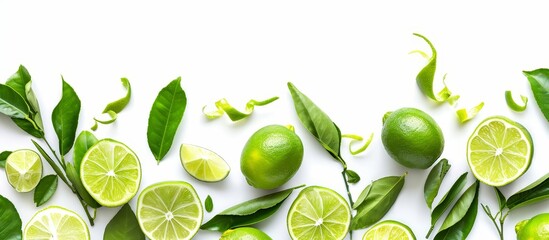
<point>498,219</point>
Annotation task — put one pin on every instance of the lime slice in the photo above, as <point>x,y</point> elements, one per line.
<point>56,223</point>
<point>499,151</point>
<point>24,170</point>
<point>203,164</point>
<point>319,213</point>
<point>111,173</point>
<point>389,230</point>
<point>169,210</point>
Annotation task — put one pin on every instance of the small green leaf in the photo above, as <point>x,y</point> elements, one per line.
<point>208,204</point>
<point>45,189</point>
<point>84,141</point>
<point>352,176</point>
<point>123,225</point>
<point>3,157</point>
<point>461,218</point>
<point>223,106</point>
<point>513,105</point>
<point>165,117</point>
<point>502,202</point>
<point>11,222</point>
<point>65,118</point>
<point>112,109</point>
<point>434,180</point>
<point>447,200</point>
<point>535,192</point>
<point>539,82</point>
<point>12,104</point>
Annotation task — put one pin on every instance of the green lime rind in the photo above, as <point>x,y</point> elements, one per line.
<point>374,232</point>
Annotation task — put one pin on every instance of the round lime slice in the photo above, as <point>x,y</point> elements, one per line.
<point>56,223</point>
<point>389,230</point>
<point>24,170</point>
<point>203,164</point>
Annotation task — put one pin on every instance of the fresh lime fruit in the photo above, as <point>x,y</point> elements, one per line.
<point>55,222</point>
<point>111,173</point>
<point>499,151</point>
<point>244,233</point>
<point>534,228</point>
<point>389,229</point>
<point>412,138</point>
<point>318,213</point>
<point>169,210</point>
<point>24,170</point>
<point>203,164</point>
<point>271,157</point>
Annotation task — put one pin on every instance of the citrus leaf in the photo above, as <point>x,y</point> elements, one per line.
<point>45,189</point>
<point>535,192</point>
<point>112,109</point>
<point>461,218</point>
<point>447,200</point>
<point>65,118</point>
<point>513,105</point>
<point>11,222</point>
<point>223,106</point>
<point>208,204</point>
<point>165,117</point>
<point>12,104</point>
<point>29,126</point>
<point>123,225</point>
<point>84,141</point>
<point>502,202</point>
<point>352,176</point>
<point>3,157</point>
<point>19,80</point>
<point>539,83</point>
<point>434,180</point>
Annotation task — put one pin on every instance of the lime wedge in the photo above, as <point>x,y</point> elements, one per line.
<point>499,151</point>
<point>318,213</point>
<point>203,164</point>
<point>389,230</point>
<point>169,210</point>
<point>56,223</point>
<point>24,170</point>
<point>111,173</point>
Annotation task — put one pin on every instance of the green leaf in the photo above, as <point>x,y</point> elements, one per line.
<point>502,202</point>
<point>65,118</point>
<point>223,106</point>
<point>45,189</point>
<point>434,180</point>
<point>539,82</point>
<point>29,126</point>
<point>74,177</point>
<point>3,157</point>
<point>352,176</point>
<point>535,192</point>
<point>447,200</point>
<point>19,80</point>
<point>12,104</point>
<point>123,225</point>
<point>376,200</point>
<point>208,204</point>
<point>84,141</point>
<point>513,105</point>
<point>11,222</point>
<point>165,117</point>
<point>249,212</point>
<point>112,109</point>
<point>461,218</point>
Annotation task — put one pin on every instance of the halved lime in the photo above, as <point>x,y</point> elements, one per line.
<point>499,151</point>
<point>24,170</point>
<point>111,173</point>
<point>169,210</point>
<point>55,222</point>
<point>389,229</point>
<point>318,213</point>
<point>203,164</point>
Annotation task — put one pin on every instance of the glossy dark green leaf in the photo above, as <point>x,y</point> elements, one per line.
<point>65,118</point>
<point>84,141</point>
<point>376,200</point>
<point>165,117</point>
<point>123,225</point>
<point>74,177</point>
<point>447,199</point>
<point>112,109</point>
<point>50,161</point>
<point>12,104</point>
<point>502,202</point>
<point>539,82</point>
<point>3,157</point>
<point>45,189</point>
<point>434,180</point>
<point>19,80</point>
<point>29,126</point>
<point>249,212</point>
<point>10,221</point>
<point>352,176</point>
<point>21,83</point>
<point>535,192</point>
<point>208,204</point>
<point>461,218</point>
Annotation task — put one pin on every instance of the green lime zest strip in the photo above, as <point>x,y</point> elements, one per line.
<point>513,105</point>
<point>223,106</point>
<point>356,138</point>
<point>112,109</point>
<point>465,115</point>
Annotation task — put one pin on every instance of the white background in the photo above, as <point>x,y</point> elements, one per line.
<point>350,57</point>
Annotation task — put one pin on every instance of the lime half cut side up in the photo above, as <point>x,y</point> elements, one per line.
<point>56,223</point>
<point>319,213</point>
<point>24,170</point>
<point>111,173</point>
<point>203,164</point>
<point>169,210</point>
<point>499,151</point>
<point>389,229</point>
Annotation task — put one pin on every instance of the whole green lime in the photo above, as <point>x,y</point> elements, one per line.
<point>244,233</point>
<point>271,157</point>
<point>534,228</point>
<point>412,138</point>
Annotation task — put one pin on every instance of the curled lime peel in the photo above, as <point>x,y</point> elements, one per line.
<point>112,109</point>
<point>355,139</point>
<point>465,115</point>
<point>513,105</point>
<point>223,106</point>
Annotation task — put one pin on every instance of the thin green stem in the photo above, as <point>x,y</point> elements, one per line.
<point>55,154</point>
<point>502,217</point>
<point>90,218</point>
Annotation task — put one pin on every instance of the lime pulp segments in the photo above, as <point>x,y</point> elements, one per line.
<point>56,223</point>
<point>203,164</point>
<point>24,170</point>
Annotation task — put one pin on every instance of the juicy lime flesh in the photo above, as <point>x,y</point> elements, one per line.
<point>203,164</point>
<point>499,152</point>
<point>319,213</point>
<point>56,223</point>
<point>390,230</point>
<point>111,173</point>
<point>169,210</point>
<point>24,170</point>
